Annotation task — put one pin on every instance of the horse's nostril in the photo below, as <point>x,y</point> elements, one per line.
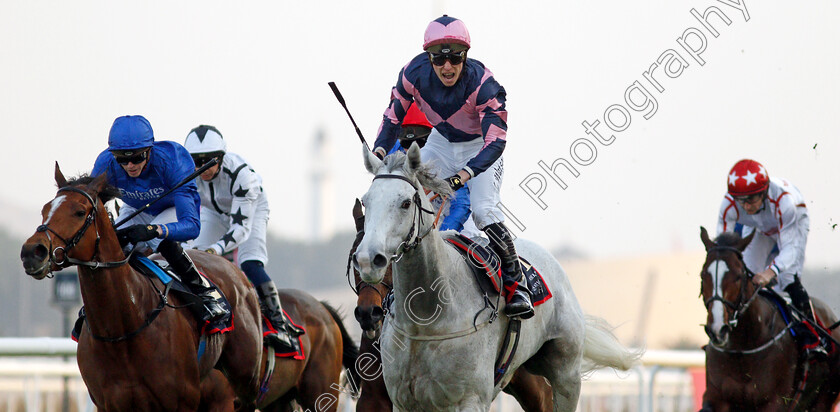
<point>376,314</point>
<point>380,260</point>
<point>40,252</point>
<point>358,314</point>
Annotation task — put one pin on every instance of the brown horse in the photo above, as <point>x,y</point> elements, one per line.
<point>138,352</point>
<point>531,391</point>
<point>752,362</point>
<point>313,383</point>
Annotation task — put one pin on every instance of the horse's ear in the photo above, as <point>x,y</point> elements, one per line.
<point>98,185</point>
<point>742,244</point>
<point>413,155</point>
<point>59,177</point>
<point>372,163</point>
<point>704,236</point>
<point>358,215</point>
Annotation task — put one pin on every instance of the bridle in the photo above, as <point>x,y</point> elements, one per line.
<point>70,244</point>
<point>741,305</point>
<point>413,238</point>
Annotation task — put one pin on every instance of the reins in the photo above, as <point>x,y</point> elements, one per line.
<point>741,307</point>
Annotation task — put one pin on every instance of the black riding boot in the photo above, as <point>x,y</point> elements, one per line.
<point>184,267</point>
<point>809,339</point>
<point>283,340</point>
<point>517,293</point>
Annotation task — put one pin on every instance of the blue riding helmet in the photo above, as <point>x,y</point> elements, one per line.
<point>130,133</point>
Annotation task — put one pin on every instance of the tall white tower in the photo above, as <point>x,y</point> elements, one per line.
<point>323,193</point>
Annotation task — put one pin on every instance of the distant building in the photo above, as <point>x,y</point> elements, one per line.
<point>323,192</point>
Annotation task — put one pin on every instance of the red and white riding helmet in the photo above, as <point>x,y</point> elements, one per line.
<point>747,177</point>
<point>446,30</point>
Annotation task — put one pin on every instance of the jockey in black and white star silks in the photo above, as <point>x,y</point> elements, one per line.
<point>234,215</point>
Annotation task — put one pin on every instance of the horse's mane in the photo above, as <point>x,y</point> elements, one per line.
<point>728,239</point>
<point>107,193</point>
<point>398,161</point>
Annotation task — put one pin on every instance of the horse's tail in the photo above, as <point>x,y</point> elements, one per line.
<point>602,349</point>
<point>351,350</point>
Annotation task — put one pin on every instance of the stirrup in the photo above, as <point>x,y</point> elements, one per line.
<point>283,342</point>
<point>212,308</point>
<point>526,312</point>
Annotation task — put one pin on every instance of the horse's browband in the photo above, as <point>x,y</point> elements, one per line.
<point>393,176</point>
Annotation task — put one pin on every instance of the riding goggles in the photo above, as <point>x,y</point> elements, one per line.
<point>200,160</point>
<point>135,158</point>
<point>439,59</point>
<point>749,199</point>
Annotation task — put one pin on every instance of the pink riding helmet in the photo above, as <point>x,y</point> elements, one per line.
<point>446,30</point>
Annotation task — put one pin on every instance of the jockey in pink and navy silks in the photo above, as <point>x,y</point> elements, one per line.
<point>466,105</point>
<point>775,210</point>
<point>143,170</point>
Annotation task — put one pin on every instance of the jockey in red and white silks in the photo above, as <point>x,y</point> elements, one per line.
<point>775,211</point>
<point>781,226</point>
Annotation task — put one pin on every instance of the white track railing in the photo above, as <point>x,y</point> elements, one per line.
<point>611,389</point>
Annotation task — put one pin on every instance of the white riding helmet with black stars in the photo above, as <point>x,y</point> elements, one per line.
<point>206,140</point>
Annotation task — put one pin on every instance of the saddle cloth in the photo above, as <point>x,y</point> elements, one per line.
<point>268,328</point>
<point>487,268</point>
<point>153,269</point>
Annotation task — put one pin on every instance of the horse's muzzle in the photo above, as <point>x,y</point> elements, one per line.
<point>35,259</point>
<point>718,338</point>
<point>369,318</point>
<point>371,266</point>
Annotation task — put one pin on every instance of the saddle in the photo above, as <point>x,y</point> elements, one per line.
<point>486,267</point>
<point>172,283</point>
<point>802,330</point>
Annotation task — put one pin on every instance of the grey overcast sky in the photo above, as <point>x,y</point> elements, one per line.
<point>765,87</point>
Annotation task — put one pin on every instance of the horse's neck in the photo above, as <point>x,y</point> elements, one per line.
<point>434,277</point>
<point>115,299</point>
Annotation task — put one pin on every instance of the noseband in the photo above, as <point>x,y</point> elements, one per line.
<point>741,306</point>
<point>412,239</point>
<point>70,244</point>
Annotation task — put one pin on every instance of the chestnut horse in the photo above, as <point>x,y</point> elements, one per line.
<point>138,352</point>
<point>531,391</point>
<point>752,362</point>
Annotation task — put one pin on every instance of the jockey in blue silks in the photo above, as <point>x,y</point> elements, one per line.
<point>143,169</point>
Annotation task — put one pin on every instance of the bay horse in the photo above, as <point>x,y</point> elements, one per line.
<point>531,391</point>
<point>752,361</point>
<point>439,338</point>
<point>135,354</point>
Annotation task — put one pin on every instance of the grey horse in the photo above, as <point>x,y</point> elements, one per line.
<point>440,341</point>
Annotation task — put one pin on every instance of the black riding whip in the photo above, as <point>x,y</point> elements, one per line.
<point>186,180</point>
<point>344,105</point>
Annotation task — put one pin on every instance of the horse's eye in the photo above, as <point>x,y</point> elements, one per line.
<point>406,204</point>
<point>79,213</point>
